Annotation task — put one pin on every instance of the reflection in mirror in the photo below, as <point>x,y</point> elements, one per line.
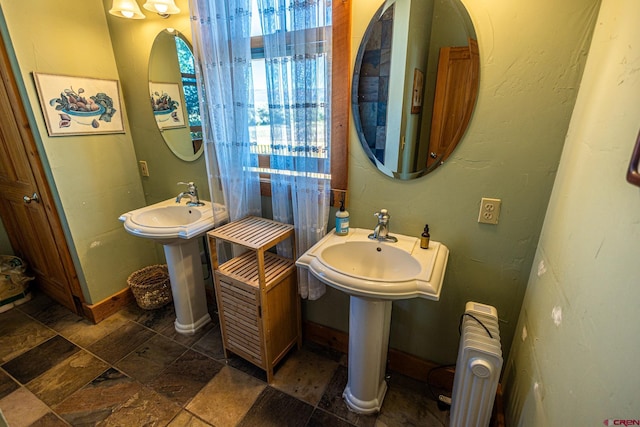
<point>174,95</point>
<point>415,84</point>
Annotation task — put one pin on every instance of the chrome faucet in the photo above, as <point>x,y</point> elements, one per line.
<point>381,232</point>
<point>191,193</point>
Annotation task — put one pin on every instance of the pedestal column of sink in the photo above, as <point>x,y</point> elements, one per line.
<point>187,286</point>
<point>369,323</point>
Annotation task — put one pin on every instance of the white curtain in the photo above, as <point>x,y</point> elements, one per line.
<point>297,51</point>
<point>221,37</point>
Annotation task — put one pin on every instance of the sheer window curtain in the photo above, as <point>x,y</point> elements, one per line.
<point>297,50</point>
<point>221,37</point>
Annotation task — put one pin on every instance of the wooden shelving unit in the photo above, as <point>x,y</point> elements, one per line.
<point>257,292</point>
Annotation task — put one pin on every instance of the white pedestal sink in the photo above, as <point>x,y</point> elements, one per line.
<point>374,274</point>
<point>177,227</point>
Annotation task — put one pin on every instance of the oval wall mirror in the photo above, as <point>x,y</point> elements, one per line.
<point>415,84</point>
<point>174,95</point>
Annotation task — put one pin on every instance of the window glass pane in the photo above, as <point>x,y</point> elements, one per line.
<point>267,136</point>
<point>259,129</point>
<point>187,69</point>
<point>185,57</point>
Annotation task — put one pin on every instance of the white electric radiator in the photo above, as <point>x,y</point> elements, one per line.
<point>477,368</point>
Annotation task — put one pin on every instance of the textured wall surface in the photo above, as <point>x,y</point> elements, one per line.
<point>574,358</point>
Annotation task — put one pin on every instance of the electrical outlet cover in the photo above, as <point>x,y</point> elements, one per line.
<point>489,210</point>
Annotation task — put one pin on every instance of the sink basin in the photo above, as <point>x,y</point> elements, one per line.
<point>176,226</point>
<point>360,266</point>
<point>169,221</point>
<point>374,274</point>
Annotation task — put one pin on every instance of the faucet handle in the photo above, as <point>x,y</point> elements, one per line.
<point>383,215</point>
<point>191,186</point>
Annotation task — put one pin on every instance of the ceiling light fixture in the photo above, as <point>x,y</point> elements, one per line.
<point>163,8</point>
<point>126,9</point>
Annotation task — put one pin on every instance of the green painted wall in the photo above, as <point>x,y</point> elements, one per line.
<point>132,41</point>
<point>95,178</point>
<point>531,59</point>
<point>575,353</point>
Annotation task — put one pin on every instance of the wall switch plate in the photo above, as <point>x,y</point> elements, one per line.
<point>144,169</point>
<point>489,210</point>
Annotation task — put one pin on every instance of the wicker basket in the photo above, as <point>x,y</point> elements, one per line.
<point>151,286</point>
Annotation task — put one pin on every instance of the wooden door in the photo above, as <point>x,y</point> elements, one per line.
<point>455,99</point>
<point>32,224</point>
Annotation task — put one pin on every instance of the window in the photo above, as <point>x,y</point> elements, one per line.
<point>190,90</point>
<point>340,76</point>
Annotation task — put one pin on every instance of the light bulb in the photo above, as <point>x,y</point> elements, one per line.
<point>126,9</point>
<point>163,8</point>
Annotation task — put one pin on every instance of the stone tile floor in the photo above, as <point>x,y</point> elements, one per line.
<point>133,369</point>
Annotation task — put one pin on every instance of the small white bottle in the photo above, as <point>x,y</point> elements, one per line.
<point>342,221</point>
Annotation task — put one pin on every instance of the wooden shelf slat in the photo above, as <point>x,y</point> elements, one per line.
<point>253,232</point>
<point>245,268</point>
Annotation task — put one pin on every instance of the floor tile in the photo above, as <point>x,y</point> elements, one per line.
<point>156,319</point>
<point>233,393</point>
<point>408,403</point>
<point>248,368</point>
<point>38,360</point>
<point>186,419</point>
<point>274,408</point>
<point>211,344</point>
<point>333,402</point>
<point>326,352</point>
<point>66,377</point>
<point>120,342</point>
<point>144,408</point>
<point>19,333</point>
<point>169,331</point>
<point>96,401</point>
<point>55,316</point>
<point>304,375</point>
<point>321,418</point>
<point>85,333</point>
<point>7,384</point>
<point>39,303</point>
<point>151,358</point>
<point>22,408</point>
<point>49,420</point>
<point>185,377</point>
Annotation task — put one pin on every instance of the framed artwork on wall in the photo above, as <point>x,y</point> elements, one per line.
<point>166,102</point>
<point>633,174</point>
<point>79,105</point>
<point>418,89</point>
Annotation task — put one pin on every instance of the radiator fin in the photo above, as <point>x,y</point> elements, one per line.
<point>477,368</point>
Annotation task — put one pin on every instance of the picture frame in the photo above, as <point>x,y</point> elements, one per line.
<point>74,105</point>
<point>167,104</point>
<point>633,174</point>
<point>418,91</point>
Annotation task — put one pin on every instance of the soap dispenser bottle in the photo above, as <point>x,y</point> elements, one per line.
<point>342,220</point>
<point>425,237</point>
